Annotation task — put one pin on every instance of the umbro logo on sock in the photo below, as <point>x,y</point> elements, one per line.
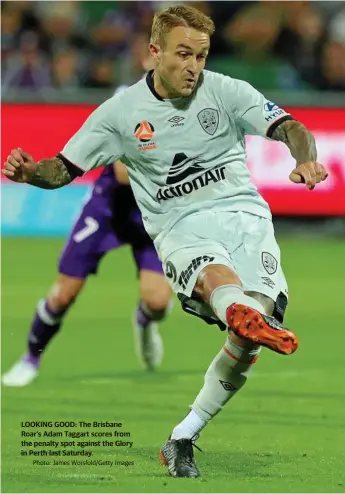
<point>227,386</point>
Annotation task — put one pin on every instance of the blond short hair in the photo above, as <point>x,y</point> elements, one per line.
<point>176,16</point>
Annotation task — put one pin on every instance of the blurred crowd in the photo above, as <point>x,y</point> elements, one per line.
<point>103,44</point>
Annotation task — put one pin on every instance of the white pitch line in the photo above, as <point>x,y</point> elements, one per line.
<point>281,375</point>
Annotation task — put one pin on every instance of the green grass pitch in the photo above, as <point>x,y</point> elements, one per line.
<point>284,432</point>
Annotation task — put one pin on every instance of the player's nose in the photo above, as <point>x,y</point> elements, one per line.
<point>192,66</point>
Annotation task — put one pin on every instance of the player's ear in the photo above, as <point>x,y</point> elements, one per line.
<point>155,51</point>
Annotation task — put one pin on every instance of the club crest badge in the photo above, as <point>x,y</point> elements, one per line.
<point>209,120</point>
<point>269,262</point>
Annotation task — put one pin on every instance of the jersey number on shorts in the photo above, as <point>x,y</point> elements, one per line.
<point>91,226</point>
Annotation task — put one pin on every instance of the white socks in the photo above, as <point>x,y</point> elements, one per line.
<point>229,370</point>
<point>226,375</point>
<point>191,425</point>
<point>226,295</point>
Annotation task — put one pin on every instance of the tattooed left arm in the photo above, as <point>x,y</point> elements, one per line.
<point>301,144</point>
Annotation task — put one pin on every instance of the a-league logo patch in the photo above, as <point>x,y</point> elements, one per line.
<point>269,262</point>
<point>170,271</point>
<point>209,120</point>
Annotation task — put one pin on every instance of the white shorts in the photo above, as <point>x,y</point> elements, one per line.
<point>242,241</point>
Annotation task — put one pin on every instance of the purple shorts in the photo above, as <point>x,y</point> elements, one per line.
<point>93,236</point>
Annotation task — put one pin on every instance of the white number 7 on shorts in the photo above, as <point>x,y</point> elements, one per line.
<point>91,226</point>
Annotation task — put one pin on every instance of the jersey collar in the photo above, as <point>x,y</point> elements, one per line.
<point>149,81</point>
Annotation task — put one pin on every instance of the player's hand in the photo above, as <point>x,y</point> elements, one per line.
<point>20,166</point>
<point>309,173</point>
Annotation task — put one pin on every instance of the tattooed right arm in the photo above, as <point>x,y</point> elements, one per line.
<point>51,173</point>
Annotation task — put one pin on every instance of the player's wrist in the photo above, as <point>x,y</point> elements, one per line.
<point>32,171</point>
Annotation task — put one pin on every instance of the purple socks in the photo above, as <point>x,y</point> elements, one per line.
<point>145,315</point>
<point>44,326</point>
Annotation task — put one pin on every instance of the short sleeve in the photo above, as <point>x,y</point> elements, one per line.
<point>252,111</point>
<point>98,141</point>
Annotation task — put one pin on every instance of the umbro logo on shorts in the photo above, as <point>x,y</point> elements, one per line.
<point>267,281</point>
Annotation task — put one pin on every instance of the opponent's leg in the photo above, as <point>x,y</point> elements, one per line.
<point>45,325</point>
<point>51,311</point>
<point>86,245</point>
<point>154,304</point>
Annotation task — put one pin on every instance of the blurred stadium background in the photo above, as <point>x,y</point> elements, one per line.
<point>59,61</point>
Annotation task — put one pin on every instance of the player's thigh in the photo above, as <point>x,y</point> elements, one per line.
<point>189,248</point>
<point>154,290</point>
<point>258,260</point>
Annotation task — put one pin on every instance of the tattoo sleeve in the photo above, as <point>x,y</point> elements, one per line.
<point>298,139</point>
<point>51,174</point>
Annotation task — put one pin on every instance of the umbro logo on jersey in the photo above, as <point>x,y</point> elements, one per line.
<point>176,121</point>
<point>181,168</point>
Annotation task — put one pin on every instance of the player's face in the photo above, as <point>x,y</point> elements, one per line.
<point>181,60</point>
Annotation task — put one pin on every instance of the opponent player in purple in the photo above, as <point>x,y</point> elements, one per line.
<point>108,220</point>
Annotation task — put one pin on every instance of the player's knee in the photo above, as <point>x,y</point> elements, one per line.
<point>156,301</point>
<point>61,301</point>
<point>156,296</point>
<point>212,277</point>
<point>64,293</point>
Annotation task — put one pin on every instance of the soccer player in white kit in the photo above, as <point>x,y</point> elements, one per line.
<point>181,133</point>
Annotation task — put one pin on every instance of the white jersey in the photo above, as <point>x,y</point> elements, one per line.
<point>121,88</point>
<point>183,155</point>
